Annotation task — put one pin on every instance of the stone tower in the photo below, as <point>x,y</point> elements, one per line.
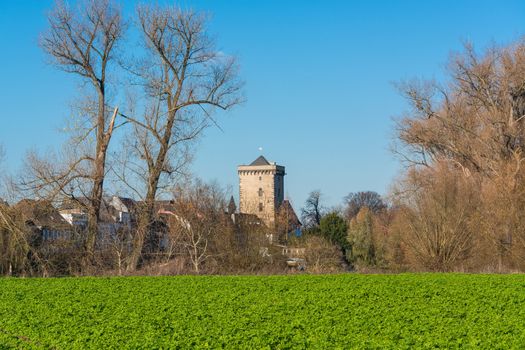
<point>261,189</point>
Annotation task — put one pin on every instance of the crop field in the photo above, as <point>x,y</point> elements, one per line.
<point>260,312</point>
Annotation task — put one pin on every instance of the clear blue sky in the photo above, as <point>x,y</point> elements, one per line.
<point>319,76</point>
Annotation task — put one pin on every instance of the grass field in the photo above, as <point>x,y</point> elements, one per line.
<point>277,312</point>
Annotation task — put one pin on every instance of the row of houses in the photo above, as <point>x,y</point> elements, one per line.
<point>118,219</point>
<point>71,216</point>
<point>116,214</point>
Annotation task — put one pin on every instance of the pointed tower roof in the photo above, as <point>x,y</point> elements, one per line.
<point>231,206</point>
<point>287,213</point>
<point>260,161</point>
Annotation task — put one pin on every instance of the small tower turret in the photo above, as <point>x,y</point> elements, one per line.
<point>231,206</point>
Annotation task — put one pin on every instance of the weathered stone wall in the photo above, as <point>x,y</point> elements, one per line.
<point>261,190</point>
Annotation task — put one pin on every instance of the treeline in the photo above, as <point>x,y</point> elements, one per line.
<point>459,204</point>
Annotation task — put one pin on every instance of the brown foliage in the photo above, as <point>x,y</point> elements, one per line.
<point>204,238</point>
<point>25,249</point>
<point>322,256</point>
<point>439,208</point>
<point>461,201</point>
<point>476,121</point>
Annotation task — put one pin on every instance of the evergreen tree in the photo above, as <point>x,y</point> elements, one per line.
<point>334,228</point>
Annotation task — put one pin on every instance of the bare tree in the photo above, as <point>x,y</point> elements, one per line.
<point>13,247</point>
<point>199,222</point>
<point>476,124</point>
<point>356,201</point>
<point>440,212</point>
<point>185,78</point>
<point>18,254</point>
<point>83,42</point>
<point>120,246</point>
<point>313,210</point>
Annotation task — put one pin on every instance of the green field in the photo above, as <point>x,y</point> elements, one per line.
<point>254,312</point>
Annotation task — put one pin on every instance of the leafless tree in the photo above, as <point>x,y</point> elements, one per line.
<point>476,124</point>
<point>120,245</point>
<point>476,121</point>
<point>356,201</point>
<point>13,247</point>
<point>18,254</point>
<point>313,210</point>
<point>198,222</point>
<point>186,79</point>
<point>440,212</point>
<point>82,41</point>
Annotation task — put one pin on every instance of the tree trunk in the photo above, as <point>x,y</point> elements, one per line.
<point>98,177</point>
<point>147,216</point>
<point>144,227</point>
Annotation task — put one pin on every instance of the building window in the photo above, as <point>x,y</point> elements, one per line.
<point>260,207</point>
<point>260,192</point>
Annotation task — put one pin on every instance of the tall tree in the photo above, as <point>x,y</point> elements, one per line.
<point>477,120</point>
<point>475,123</point>
<point>82,41</point>
<point>186,79</point>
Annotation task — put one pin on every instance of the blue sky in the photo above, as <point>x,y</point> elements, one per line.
<point>319,83</point>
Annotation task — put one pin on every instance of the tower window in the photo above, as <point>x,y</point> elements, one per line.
<point>260,192</point>
<point>260,178</point>
<point>260,207</point>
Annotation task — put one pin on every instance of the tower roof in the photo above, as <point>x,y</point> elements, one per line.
<point>286,212</point>
<point>231,206</point>
<point>260,161</point>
